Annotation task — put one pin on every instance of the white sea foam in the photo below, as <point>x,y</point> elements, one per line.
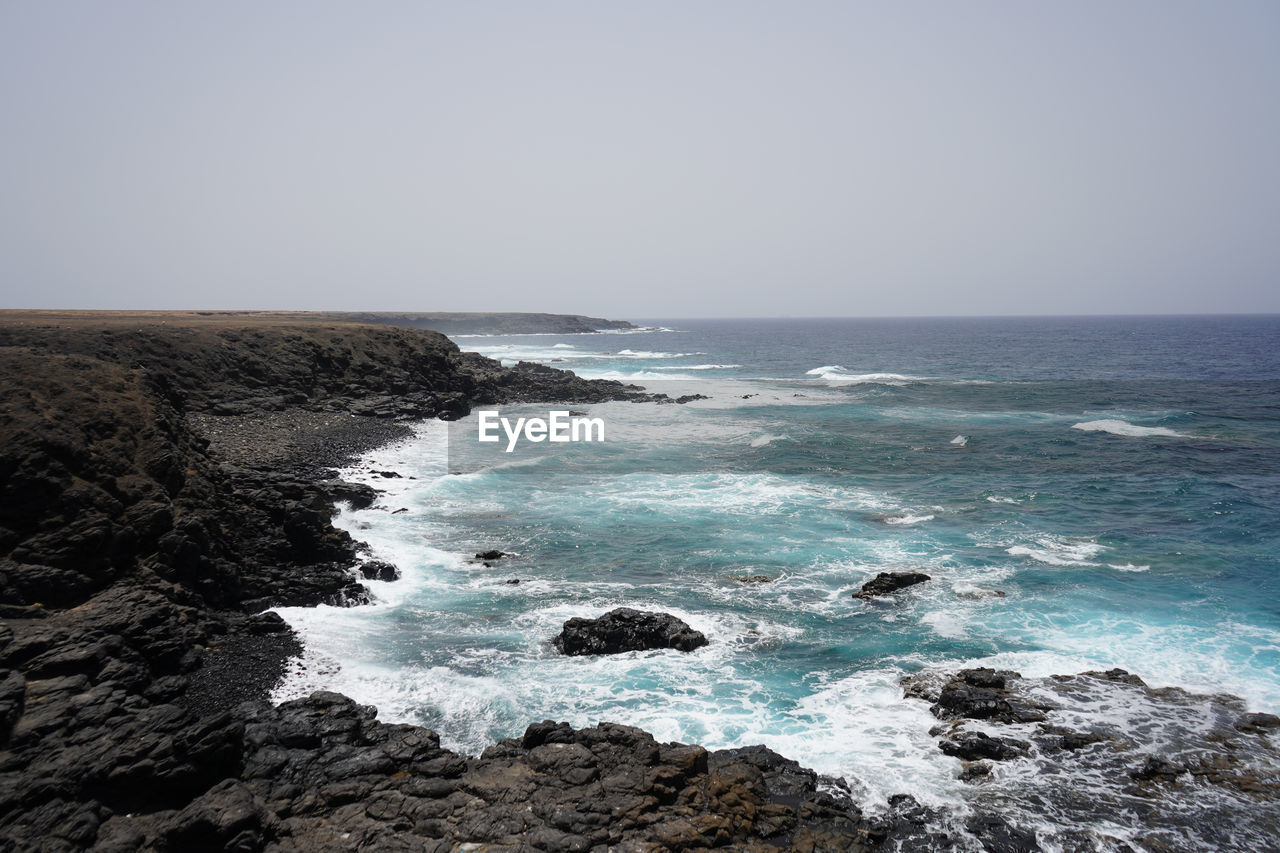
<point>639,330</point>
<point>907,519</point>
<point>960,440</point>
<point>722,492</point>
<point>634,375</point>
<point>698,367</point>
<point>1057,551</point>
<point>1128,567</point>
<point>1118,427</point>
<point>766,440</point>
<point>563,346</point>
<point>645,354</point>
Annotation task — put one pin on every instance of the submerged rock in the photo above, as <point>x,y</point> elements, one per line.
<point>626,630</point>
<point>887,582</point>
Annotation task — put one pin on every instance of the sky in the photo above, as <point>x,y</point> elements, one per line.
<point>642,159</point>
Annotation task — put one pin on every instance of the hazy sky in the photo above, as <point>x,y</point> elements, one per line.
<point>642,159</point>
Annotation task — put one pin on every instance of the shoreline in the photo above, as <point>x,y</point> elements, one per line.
<point>163,487</point>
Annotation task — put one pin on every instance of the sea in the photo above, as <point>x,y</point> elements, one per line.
<point>1085,493</point>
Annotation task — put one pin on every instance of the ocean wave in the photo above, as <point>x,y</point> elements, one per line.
<point>1128,567</point>
<point>629,353</point>
<point>837,374</point>
<point>766,440</point>
<point>634,375</point>
<point>639,330</point>
<point>1119,427</point>
<point>906,519</point>
<point>526,352</point>
<point>960,440</point>
<point>699,367</point>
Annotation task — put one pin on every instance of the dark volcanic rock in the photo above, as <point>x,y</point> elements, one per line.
<point>972,746</point>
<point>376,570</point>
<point>997,835</point>
<point>982,694</point>
<point>887,582</point>
<point>626,630</point>
<point>321,766</point>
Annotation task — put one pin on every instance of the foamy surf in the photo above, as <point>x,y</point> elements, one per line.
<point>1057,551</point>
<point>1118,427</point>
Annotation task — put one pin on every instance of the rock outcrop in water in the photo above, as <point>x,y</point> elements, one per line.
<point>889,582</point>
<point>626,630</point>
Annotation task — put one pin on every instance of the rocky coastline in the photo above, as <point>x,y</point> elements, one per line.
<point>166,478</point>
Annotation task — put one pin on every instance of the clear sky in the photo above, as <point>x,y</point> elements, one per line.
<point>642,159</point>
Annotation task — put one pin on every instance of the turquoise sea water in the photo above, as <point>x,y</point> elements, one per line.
<point>1086,493</point>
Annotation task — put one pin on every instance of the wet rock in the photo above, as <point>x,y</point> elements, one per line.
<point>997,835</point>
<point>377,570</point>
<point>1255,723</point>
<point>982,694</point>
<point>753,579</point>
<point>973,746</point>
<point>494,554</point>
<point>888,582</point>
<point>626,630</point>
<point>1158,769</point>
<point>976,771</point>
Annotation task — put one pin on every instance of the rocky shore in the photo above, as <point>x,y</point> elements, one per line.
<point>165,478</point>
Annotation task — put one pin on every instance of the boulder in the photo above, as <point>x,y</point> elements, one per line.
<point>626,630</point>
<point>377,570</point>
<point>887,582</point>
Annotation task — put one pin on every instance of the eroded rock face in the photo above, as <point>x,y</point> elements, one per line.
<point>887,582</point>
<point>626,630</point>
